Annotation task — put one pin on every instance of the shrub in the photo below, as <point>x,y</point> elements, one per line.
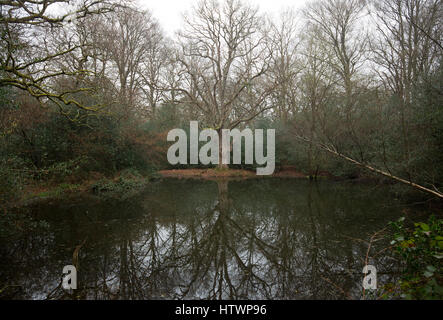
<point>421,250</point>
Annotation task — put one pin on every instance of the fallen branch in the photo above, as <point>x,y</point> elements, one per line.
<point>378,171</point>
<point>371,241</point>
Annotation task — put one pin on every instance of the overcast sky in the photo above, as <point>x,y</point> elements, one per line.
<point>168,12</point>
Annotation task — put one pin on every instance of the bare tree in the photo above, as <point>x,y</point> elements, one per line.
<point>25,54</point>
<point>286,66</point>
<point>339,25</point>
<point>224,56</point>
<point>316,86</point>
<point>125,52</point>
<point>38,12</point>
<point>154,70</point>
<point>406,50</point>
<point>133,40</point>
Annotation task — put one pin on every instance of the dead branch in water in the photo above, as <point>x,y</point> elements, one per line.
<point>334,151</point>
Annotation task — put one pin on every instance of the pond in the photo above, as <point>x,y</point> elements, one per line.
<point>193,239</point>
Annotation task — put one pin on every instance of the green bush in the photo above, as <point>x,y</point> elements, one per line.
<point>421,250</point>
<point>129,182</point>
<point>58,172</point>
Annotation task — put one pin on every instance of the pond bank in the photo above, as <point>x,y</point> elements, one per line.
<point>129,182</point>
<point>122,185</point>
<point>210,174</point>
<point>126,183</point>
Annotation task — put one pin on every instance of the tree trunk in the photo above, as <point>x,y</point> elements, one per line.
<point>220,165</point>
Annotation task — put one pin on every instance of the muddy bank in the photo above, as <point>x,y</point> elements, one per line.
<point>210,174</point>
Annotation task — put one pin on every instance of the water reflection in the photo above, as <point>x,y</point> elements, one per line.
<point>181,239</point>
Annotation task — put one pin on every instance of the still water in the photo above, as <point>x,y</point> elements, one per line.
<point>192,239</point>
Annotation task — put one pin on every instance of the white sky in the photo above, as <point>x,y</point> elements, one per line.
<point>169,12</point>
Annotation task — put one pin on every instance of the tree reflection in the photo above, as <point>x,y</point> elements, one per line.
<point>266,239</point>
